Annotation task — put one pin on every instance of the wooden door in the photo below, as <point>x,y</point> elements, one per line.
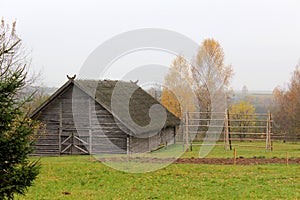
<point>73,144</point>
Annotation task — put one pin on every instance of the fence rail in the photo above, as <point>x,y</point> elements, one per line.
<point>233,127</point>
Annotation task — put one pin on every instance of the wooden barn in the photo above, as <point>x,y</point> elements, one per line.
<point>80,119</point>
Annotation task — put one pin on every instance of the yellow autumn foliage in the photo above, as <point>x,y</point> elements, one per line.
<point>177,96</point>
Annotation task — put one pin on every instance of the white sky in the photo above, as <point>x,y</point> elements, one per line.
<point>261,39</point>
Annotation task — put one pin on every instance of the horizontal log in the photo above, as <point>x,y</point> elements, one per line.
<point>46,145</point>
<point>245,133</point>
<point>45,148</point>
<point>47,141</point>
<point>247,139</point>
<point>49,116</point>
<point>111,139</point>
<point>73,114</point>
<point>46,151</point>
<point>51,124</point>
<point>48,137</point>
<point>44,154</point>
<point>70,100</point>
<point>240,127</point>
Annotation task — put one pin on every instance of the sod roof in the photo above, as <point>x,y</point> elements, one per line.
<point>130,104</point>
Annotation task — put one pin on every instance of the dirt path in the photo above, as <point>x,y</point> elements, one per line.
<point>239,161</point>
<point>212,161</point>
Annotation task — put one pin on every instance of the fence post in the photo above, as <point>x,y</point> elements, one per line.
<point>270,129</point>
<point>187,129</point>
<point>183,133</point>
<point>226,132</point>
<point>268,132</point>
<point>228,129</point>
<point>234,156</point>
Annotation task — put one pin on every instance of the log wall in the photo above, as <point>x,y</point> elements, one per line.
<point>141,145</point>
<point>95,130</point>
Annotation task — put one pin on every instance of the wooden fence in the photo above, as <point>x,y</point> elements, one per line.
<point>227,127</point>
<point>283,137</point>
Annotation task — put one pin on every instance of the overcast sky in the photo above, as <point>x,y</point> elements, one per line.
<point>261,39</point>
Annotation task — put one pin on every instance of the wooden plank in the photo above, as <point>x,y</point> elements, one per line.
<point>90,126</point>
<point>205,119</point>
<point>226,135</point>
<point>206,112</point>
<point>81,149</point>
<point>49,117</point>
<point>60,126</point>
<point>234,156</point>
<point>65,149</point>
<point>201,125</point>
<point>186,129</point>
<point>256,114</point>
<point>46,146</point>
<point>139,145</point>
<point>257,127</point>
<point>67,139</point>
<point>46,141</point>
<point>247,139</point>
<point>74,129</point>
<point>80,140</point>
<point>246,133</point>
<point>267,134</point>
<point>228,128</point>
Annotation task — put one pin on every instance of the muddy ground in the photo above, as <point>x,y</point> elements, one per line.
<point>239,161</point>
<point>212,161</point>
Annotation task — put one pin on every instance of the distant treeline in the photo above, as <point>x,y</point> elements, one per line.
<point>261,100</point>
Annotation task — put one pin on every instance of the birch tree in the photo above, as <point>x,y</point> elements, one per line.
<point>178,96</point>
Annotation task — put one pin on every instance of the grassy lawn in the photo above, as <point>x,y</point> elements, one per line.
<point>80,177</point>
<point>279,150</point>
<point>85,179</point>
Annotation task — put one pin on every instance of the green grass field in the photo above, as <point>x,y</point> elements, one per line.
<point>279,150</point>
<point>81,177</point>
<point>246,149</point>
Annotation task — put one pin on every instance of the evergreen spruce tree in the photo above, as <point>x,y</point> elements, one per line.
<point>17,131</point>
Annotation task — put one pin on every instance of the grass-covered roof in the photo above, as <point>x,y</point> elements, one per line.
<point>130,104</point>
